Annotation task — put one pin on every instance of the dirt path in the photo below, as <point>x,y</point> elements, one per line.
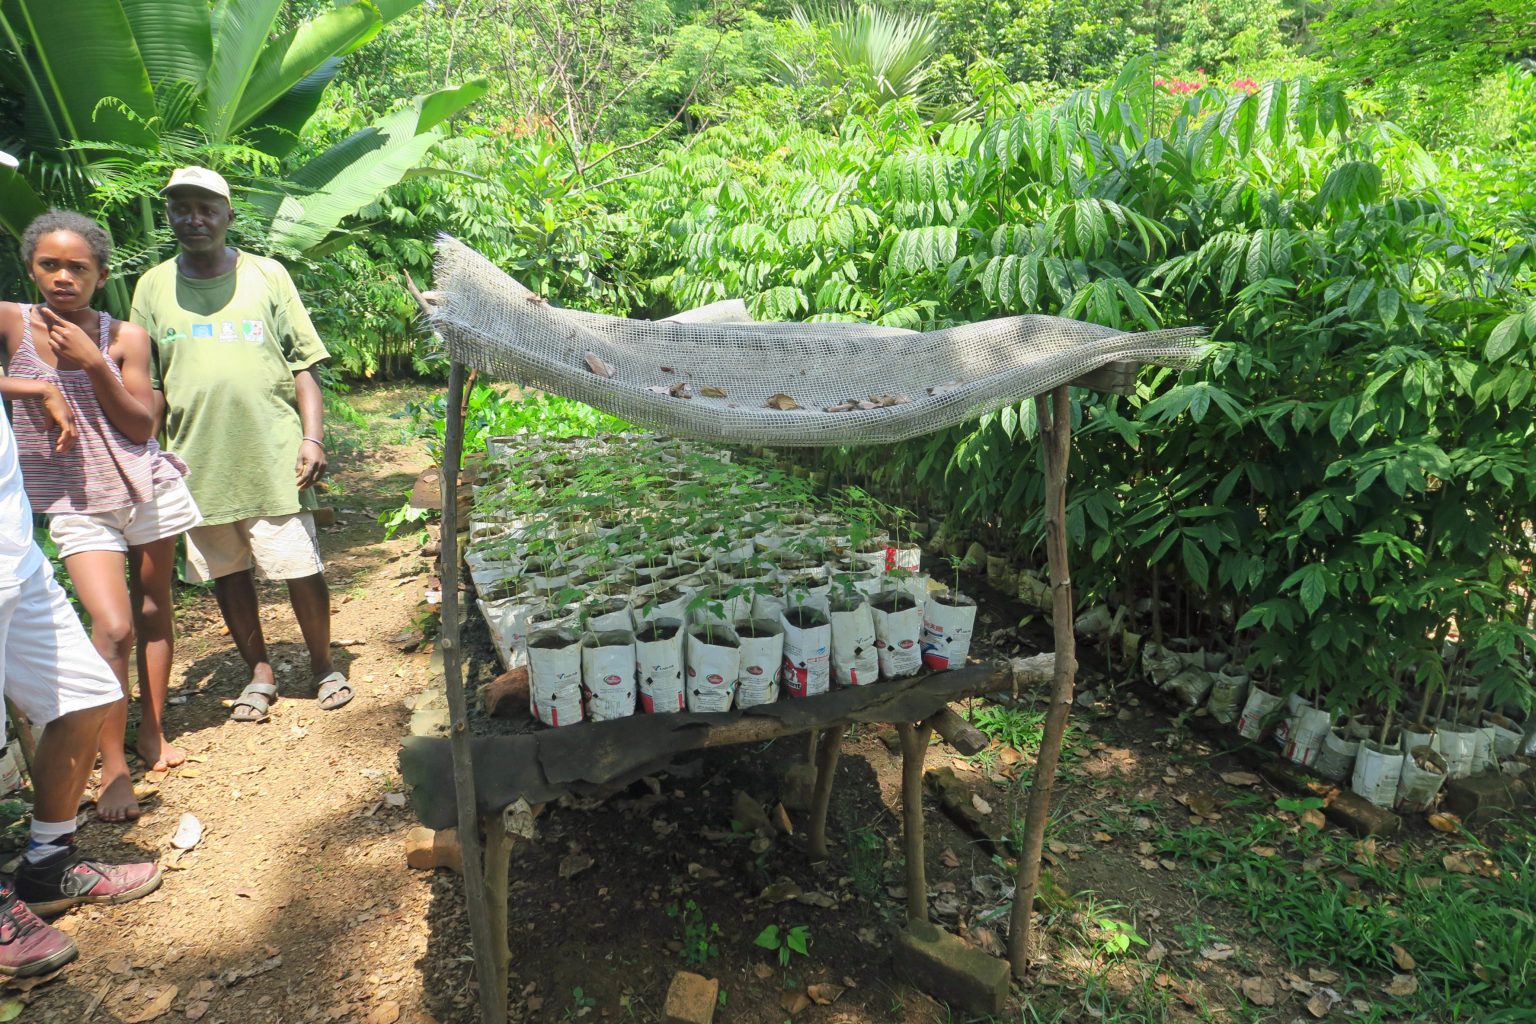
<point>296,902</point>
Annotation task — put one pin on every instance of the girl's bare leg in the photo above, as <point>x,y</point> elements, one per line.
<point>150,568</point>
<point>99,583</point>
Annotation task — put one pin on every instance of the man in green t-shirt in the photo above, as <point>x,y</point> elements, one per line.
<point>233,356</point>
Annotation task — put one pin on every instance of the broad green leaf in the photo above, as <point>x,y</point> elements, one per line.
<point>240,31</point>
<point>287,60</point>
<point>353,172</point>
<point>174,38</point>
<point>19,204</point>
<point>276,129</point>
<point>1503,338</point>
<point>89,63</point>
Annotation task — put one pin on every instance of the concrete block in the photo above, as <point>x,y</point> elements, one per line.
<point>691,999</point>
<point>1480,798</point>
<point>955,799</point>
<point>949,970</point>
<point>799,784</point>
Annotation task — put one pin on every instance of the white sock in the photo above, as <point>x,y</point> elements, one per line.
<point>48,838</point>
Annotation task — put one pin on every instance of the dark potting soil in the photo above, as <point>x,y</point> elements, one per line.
<point>655,631</point>
<point>805,618</point>
<point>893,601</point>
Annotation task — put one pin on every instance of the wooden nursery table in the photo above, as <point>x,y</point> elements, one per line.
<point>515,775</point>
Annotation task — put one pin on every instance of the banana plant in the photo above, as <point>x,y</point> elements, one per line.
<point>228,84</point>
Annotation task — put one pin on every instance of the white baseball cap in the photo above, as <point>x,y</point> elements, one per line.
<point>199,178</point>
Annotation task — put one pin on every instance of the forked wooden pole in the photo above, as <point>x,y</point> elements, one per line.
<point>491,974</point>
<point>830,746</point>
<point>1056,440</point>
<point>914,748</point>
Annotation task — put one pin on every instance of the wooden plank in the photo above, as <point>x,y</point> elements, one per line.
<point>1117,378</point>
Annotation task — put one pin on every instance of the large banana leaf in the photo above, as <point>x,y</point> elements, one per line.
<point>240,30</point>
<point>276,130</point>
<point>174,39</point>
<point>18,203</point>
<point>89,64</point>
<point>288,59</point>
<point>352,173</point>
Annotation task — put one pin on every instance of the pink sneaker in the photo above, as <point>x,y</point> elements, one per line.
<point>68,879</point>
<point>27,945</point>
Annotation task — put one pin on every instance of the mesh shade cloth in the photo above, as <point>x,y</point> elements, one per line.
<point>489,322</point>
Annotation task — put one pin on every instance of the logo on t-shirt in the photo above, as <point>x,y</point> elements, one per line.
<point>255,330</point>
<point>171,334</point>
<point>227,331</point>
<point>202,330</point>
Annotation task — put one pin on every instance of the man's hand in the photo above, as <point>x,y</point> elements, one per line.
<point>67,341</point>
<point>63,417</point>
<point>311,465</point>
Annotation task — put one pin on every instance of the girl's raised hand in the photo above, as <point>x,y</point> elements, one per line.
<point>67,341</point>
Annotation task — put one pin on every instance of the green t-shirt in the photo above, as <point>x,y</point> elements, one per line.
<point>224,351</point>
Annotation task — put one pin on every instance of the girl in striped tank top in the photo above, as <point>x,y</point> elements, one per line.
<point>114,498</point>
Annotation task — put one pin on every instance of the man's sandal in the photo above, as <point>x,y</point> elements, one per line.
<point>253,703</point>
<point>335,691</point>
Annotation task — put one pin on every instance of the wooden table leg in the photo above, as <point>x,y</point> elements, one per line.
<point>498,862</point>
<point>914,748</point>
<point>827,750</point>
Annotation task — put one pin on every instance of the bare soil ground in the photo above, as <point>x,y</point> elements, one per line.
<point>298,906</point>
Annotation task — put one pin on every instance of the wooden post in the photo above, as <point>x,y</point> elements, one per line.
<point>498,860</point>
<point>914,748</point>
<point>821,797</point>
<point>1056,440</point>
<point>493,982</point>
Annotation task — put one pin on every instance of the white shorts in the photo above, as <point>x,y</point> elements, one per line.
<point>278,547</point>
<point>170,512</point>
<point>47,664</point>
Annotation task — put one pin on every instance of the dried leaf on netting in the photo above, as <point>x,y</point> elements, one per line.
<point>845,407</point>
<point>600,366</point>
<point>885,401</point>
<point>782,402</point>
<point>660,389</point>
<point>679,390</point>
<point>710,391</point>
<point>939,389</point>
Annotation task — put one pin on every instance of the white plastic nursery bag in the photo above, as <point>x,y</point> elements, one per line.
<point>508,620</point>
<point>855,661</point>
<point>1308,728</point>
<point>898,633</point>
<point>1258,707</point>
<point>712,656</point>
<point>608,674</point>
<point>1229,688</point>
<point>554,676</point>
<point>807,668</point>
<point>1377,770</point>
<point>948,620</point>
<point>1417,787</point>
<point>1336,759</point>
<point>659,665</point>
<point>762,655</point>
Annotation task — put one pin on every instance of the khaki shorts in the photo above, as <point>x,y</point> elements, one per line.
<point>277,547</point>
<point>171,511</point>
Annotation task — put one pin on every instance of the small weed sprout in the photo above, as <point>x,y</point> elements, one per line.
<point>698,937</point>
<point>795,940</point>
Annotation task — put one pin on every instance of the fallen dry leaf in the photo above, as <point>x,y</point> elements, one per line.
<point>824,994</point>
<point>1445,821</point>
<point>794,1001</point>
<point>155,1007</point>
<point>1457,862</point>
<point>1217,951</point>
<point>948,858</point>
<point>939,389</point>
<point>573,864</point>
<point>782,402</point>
<point>1261,991</point>
<point>710,391</point>
<point>1240,778</point>
<point>680,390</point>
<point>600,366</point>
<point>190,773</point>
<point>1104,837</point>
<point>1321,976</point>
<point>1148,864</point>
<point>197,1008</point>
<point>1320,1004</point>
<point>980,804</point>
<point>1264,851</point>
<point>1403,959</point>
<point>1401,985</point>
<point>763,971</point>
<point>384,1013</point>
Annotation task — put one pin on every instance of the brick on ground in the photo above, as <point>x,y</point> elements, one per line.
<point>691,999</point>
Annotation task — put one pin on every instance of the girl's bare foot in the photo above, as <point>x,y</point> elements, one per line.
<point>158,754</point>
<point>115,800</point>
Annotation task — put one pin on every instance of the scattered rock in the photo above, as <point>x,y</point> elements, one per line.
<point>426,849</point>
<point>691,999</point>
<point>799,784</point>
<point>506,696</point>
<point>748,812</point>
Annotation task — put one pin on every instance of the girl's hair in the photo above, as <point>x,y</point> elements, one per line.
<point>95,236</point>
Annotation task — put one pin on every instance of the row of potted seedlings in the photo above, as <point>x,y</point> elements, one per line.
<point>1396,762</point>
<point>635,572</point>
